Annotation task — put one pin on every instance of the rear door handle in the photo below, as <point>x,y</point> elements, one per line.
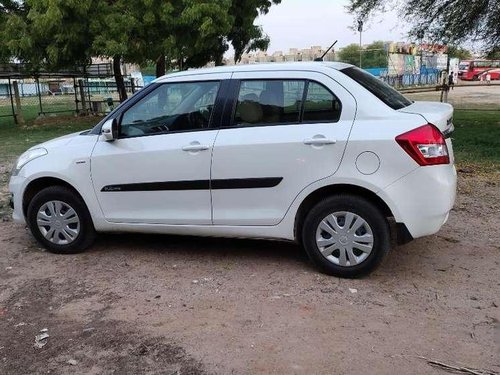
<point>195,147</point>
<point>319,141</point>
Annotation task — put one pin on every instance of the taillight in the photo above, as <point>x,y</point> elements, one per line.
<point>426,145</point>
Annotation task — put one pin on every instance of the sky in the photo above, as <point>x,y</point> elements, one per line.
<point>304,23</point>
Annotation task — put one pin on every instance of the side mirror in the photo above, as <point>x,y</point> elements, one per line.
<point>110,130</point>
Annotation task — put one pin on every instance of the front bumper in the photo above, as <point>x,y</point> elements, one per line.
<point>16,185</point>
<point>423,199</point>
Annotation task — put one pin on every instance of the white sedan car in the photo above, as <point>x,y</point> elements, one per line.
<point>320,153</point>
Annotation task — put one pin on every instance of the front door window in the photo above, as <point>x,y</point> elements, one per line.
<point>172,107</point>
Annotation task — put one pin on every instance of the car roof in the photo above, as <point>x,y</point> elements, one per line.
<point>316,66</point>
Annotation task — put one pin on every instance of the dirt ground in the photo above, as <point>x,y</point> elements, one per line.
<point>182,305</point>
<point>465,96</point>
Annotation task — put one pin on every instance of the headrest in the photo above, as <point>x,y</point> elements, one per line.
<point>250,112</point>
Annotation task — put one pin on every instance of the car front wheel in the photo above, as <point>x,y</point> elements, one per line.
<point>346,236</point>
<point>60,220</point>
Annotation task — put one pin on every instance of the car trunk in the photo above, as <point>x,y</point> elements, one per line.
<point>438,114</point>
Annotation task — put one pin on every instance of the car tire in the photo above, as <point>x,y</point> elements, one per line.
<point>62,211</point>
<point>333,221</point>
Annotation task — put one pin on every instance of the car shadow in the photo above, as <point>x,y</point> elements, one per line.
<point>202,247</point>
<point>402,261</point>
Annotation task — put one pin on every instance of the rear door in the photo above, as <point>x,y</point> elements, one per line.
<point>282,131</point>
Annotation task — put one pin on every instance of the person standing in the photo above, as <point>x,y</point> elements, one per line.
<point>488,78</point>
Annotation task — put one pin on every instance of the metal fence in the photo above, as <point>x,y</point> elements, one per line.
<point>412,80</point>
<point>24,99</point>
<point>26,96</point>
<point>6,100</point>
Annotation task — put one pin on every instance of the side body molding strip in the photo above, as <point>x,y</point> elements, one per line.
<point>223,184</point>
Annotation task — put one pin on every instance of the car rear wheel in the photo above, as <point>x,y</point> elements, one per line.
<point>60,221</point>
<point>346,236</point>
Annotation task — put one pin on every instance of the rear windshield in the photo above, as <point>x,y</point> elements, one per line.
<point>378,88</point>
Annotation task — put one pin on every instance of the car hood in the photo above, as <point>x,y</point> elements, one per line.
<point>438,114</point>
<point>59,141</point>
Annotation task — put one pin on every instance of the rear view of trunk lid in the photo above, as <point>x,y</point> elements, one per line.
<point>438,114</point>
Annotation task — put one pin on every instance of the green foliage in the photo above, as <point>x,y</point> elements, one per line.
<point>461,53</point>
<point>494,54</point>
<point>197,32</point>
<point>114,31</point>
<point>7,9</point>
<point>450,21</point>
<point>350,54</point>
<point>54,34</point>
<point>244,35</point>
<point>148,70</point>
<point>373,55</point>
<point>50,33</point>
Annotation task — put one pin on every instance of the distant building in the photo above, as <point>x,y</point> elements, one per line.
<point>293,54</point>
<point>127,68</point>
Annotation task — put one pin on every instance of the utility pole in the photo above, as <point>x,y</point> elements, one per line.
<point>420,36</point>
<point>360,30</point>
<point>445,87</point>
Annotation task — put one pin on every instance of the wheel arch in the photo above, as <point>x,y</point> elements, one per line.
<point>317,195</point>
<point>38,184</point>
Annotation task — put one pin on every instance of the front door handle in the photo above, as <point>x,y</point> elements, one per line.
<point>195,147</point>
<point>319,141</point>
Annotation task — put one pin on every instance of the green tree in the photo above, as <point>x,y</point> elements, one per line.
<point>450,21</point>
<point>115,35</point>
<point>7,9</point>
<point>244,35</point>
<point>494,54</point>
<point>202,31</point>
<point>52,34</point>
<point>374,55</point>
<point>181,33</point>
<point>459,52</point>
<point>198,32</point>
<point>350,54</point>
<point>49,34</point>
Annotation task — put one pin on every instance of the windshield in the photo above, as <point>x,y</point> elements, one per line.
<point>378,88</point>
<point>463,66</point>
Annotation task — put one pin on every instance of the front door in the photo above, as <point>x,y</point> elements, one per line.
<point>287,131</point>
<point>158,170</point>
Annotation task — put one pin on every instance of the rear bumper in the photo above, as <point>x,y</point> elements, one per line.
<point>423,199</point>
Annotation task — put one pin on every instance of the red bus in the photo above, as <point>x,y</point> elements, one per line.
<point>470,70</point>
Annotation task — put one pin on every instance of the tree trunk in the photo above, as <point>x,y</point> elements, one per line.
<point>120,83</point>
<point>219,60</point>
<point>160,66</point>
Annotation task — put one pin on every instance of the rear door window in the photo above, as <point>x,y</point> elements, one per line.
<point>269,102</point>
<point>320,105</point>
<point>380,89</point>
